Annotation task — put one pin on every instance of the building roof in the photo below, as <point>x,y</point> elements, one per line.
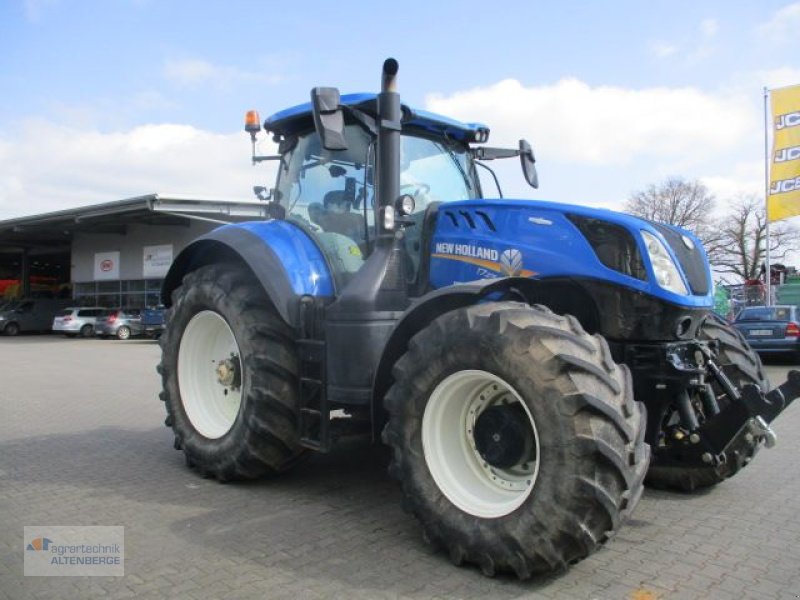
<point>57,228</point>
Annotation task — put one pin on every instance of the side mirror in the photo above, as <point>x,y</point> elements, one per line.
<point>263,193</point>
<point>328,118</point>
<point>528,163</point>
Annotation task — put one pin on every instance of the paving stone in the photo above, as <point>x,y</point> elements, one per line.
<point>82,442</point>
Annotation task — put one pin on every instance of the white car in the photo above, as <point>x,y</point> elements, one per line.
<point>77,320</point>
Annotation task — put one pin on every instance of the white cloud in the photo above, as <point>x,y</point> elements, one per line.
<point>595,145</point>
<point>193,72</point>
<point>573,122</point>
<point>742,180</point>
<point>784,24</point>
<point>79,167</point>
<point>780,77</point>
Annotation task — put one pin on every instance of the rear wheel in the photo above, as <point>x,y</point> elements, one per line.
<point>230,376</point>
<point>743,366</point>
<point>515,437</point>
<point>124,332</point>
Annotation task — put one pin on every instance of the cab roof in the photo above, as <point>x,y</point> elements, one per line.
<point>298,119</point>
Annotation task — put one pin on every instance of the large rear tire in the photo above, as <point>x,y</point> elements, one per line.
<point>743,366</point>
<point>230,376</point>
<point>515,437</point>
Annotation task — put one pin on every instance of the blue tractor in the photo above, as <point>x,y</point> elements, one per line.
<point>529,363</point>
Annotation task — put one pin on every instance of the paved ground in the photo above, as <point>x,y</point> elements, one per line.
<point>82,443</point>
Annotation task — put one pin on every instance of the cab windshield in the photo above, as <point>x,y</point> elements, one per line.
<point>334,190</point>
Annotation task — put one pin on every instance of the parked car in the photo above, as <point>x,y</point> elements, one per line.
<point>771,329</point>
<point>153,320</point>
<point>34,314</point>
<point>77,320</point>
<point>123,323</point>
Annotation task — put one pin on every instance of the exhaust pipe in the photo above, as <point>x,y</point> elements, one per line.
<point>388,163</point>
<point>388,82</point>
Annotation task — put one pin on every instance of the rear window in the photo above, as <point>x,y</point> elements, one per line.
<point>89,312</point>
<point>764,313</point>
<point>64,313</point>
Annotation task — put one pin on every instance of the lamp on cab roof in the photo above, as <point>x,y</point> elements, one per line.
<point>252,123</point>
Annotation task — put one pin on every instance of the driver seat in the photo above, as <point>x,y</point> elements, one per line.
<point>345,222</point>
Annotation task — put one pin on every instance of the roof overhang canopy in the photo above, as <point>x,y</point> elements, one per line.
<point>56,229</point>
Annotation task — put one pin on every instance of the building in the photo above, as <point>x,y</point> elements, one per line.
<point>111,254</point>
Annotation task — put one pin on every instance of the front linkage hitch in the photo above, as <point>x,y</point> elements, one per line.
<point>733,424</point>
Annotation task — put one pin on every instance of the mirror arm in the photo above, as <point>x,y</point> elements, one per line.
<point>486,153</point>
<point>258,159</point>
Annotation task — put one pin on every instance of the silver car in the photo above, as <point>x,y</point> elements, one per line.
<point>77,320</point>
<point>120,322</point>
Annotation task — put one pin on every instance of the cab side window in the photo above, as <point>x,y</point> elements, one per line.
<point>330,194</point>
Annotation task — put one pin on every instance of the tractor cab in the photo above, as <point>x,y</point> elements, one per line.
<point>332,193</point>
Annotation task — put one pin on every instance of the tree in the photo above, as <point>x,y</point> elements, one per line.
<point>741,240</point>
<point>676,201</point>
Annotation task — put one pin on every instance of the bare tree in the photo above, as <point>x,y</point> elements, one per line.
<point>740,247</point>
<point>687,204</point>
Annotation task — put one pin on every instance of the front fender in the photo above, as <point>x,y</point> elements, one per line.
<point>283,258</point>
<point>427,308</point>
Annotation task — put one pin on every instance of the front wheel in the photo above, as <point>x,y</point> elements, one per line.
<point>87,331</point>
<point>11,329</point>
<point>124,332</point>
<point>230,376</point>
<point>516,438</point>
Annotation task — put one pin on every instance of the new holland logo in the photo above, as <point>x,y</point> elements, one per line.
<point>511,261</point>
<point>490,262</point>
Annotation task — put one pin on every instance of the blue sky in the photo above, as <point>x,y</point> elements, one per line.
<point>106,100</point>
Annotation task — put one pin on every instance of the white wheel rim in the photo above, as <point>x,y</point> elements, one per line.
<point>455,464</point>
<point>211,406</point>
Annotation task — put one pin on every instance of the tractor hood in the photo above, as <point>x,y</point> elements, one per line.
<point>476,239</point>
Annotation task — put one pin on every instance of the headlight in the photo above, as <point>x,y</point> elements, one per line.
<point>666,272</point>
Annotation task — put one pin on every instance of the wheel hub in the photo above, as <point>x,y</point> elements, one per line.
<point>210,374</point>
<point>488,466</point>
<point>500,435</point>
<point>229,372</point>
